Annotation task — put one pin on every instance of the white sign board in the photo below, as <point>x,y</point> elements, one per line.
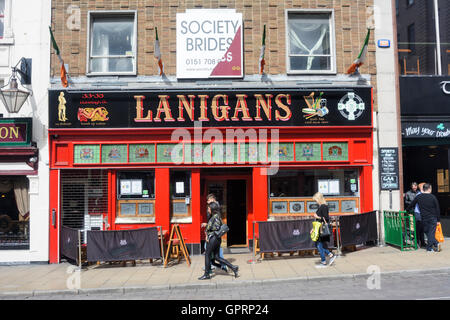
<point>209,44</point>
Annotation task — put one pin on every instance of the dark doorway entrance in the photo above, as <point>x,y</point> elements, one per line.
<point>236,212</point>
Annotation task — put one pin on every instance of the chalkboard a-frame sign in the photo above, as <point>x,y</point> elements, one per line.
<point>389,176</point>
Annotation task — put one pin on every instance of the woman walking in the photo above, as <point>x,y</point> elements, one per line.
<point>322,216</point>
<point>213,242</point>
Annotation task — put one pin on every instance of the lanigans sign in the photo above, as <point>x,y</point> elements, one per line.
<point>226,108</point>
<point>15,131</point>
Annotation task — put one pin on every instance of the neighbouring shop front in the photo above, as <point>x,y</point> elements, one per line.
<point>426,136</point>
<point>132,159</point>
<point>18,165</point>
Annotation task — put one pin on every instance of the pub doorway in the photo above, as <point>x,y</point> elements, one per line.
<point>232,194</point>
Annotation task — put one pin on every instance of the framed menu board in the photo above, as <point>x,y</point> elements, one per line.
<point>389,175</point>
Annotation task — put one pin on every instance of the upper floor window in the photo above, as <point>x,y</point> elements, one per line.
<point>112,43</point>
<point>310,41</point>
<point>2,18</point>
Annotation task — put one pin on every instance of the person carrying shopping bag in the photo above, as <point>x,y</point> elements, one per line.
<point>322,217</point>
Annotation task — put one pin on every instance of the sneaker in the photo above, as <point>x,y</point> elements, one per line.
<point>332,258</point>
<point>224,268</point>
<point>321,265</point>
<point>431,251</point>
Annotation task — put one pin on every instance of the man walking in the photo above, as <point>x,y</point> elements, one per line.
<point>430,214</point>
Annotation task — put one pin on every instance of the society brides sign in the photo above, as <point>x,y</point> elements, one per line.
<point>209,44</point>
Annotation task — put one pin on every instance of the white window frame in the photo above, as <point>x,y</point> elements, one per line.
<point>8,37</point>
<point>94,14</point>
<point>332,70</point>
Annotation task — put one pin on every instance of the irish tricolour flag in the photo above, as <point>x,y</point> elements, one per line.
<point>262,60</point>
<point>63,68</point>
<point>362,56</point>
<point>157,53</point>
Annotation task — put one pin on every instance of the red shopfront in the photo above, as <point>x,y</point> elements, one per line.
<point>133,159</point>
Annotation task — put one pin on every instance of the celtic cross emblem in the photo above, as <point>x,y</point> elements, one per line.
<point>351,106</point>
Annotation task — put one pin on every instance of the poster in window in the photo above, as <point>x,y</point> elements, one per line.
<point>323,186</point>
<point>125,187</point>
<point>179,187</point>
<point>333,186</point>
<point>136,186</point>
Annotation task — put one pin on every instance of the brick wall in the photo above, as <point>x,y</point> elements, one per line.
<point>350,23</point>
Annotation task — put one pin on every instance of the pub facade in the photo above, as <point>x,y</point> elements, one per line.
<point>130,148</point>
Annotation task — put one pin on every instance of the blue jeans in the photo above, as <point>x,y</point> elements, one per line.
<point>322,251</point>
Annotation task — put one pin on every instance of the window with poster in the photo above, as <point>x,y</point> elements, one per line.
<point>136,196</point>
<point>180,196</point>
<point>291,191</point>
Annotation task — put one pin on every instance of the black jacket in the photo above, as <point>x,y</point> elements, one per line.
<point>409,197</point>
<point>214,224</point>
<point>322,212</point>
<point>428,206</point>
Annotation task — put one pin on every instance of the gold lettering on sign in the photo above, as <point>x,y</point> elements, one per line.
<point>164,107</point>
<point>280,105</point>
<point>140,111</point>
<point>182,102</point>
<point>241,106</point>
<point>14,130</point>
<point>266,105</point>
<point>3,132</point>
<point>224,109</point>
<point>203,107</point>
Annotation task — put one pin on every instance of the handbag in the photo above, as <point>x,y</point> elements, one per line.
<point>439,235</point>
<point>325,229</point>
<point>315,230</point>
<point>223,229</point>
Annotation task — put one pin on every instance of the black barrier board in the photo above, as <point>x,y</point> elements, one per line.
<point>285,236</point>
<point>123,245</point>
<point>69,243</point>
<point>211,108</point>
<point>358,228</point>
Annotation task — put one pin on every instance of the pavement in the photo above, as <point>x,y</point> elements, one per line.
<point>64,278</point>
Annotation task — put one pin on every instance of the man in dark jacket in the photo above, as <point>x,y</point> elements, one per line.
<point>430,214</point>
<point>411,194</point>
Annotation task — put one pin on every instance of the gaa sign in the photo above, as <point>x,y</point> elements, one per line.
<point>209,44</point>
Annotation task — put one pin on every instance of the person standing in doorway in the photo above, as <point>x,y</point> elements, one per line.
<point>430,215</point>
<point>213,241</point>
<point>411,194</point>
<point>322,216</point>
<point>419,224</point>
